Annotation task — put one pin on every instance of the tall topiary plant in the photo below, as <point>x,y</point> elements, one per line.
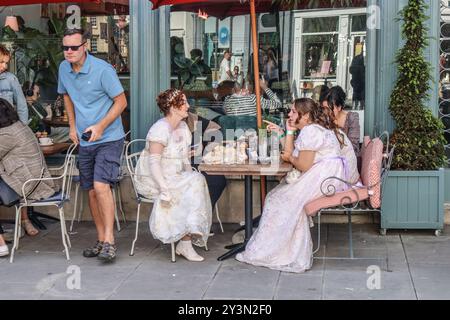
<point>418,137</point>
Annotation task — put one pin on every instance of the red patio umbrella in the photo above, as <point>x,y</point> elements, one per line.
<point>23,2</point>
<point>218,8</point>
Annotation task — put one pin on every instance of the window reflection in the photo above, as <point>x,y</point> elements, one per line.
<point>36,47</point>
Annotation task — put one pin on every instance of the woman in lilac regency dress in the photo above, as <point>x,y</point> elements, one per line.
<point>283,239</point>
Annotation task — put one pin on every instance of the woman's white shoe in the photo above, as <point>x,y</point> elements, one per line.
<point>4,251</point>
<point>185,249</point>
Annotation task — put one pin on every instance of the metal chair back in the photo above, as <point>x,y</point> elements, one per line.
<point>132,155</point>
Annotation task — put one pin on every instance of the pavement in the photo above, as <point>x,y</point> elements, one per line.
<point>411,265</point>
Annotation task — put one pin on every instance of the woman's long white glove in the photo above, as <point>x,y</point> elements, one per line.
<point>156,172</point>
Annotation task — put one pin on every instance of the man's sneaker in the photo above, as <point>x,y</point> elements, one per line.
<point>93,251</point>
<point>108,252</point>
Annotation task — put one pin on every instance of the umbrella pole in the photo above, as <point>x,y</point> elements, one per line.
<point>257,86</point>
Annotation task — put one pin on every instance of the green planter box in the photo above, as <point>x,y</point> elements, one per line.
<point>413,200</point>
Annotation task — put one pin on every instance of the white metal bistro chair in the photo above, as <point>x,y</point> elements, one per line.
<point>376,163</point>
<point>132,160</point>
<point>58,200</point>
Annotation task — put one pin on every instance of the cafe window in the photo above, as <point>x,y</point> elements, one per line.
<point>36,48</point>
<point>319,55</point>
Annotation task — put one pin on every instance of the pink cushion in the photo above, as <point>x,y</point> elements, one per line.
<point>371,171</point>
<point>365,143</point>
<point>339,199</point>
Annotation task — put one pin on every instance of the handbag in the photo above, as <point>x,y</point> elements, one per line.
<point>8,197</point>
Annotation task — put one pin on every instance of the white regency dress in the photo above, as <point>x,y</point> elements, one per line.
<point>190,212</point>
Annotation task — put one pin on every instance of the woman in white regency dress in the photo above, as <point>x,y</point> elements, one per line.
<point>182,207</point>
<point>283,239</point>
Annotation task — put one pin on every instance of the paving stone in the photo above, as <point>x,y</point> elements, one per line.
<point>427,249</point>
<point>299,287</point>
<point>353,285</point>
<point>236,280</point>
<point>432,282</point>
<point>95,283</point>
<point>18,291</point>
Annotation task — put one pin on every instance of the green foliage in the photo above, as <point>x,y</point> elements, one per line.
<point>418,137</point>
<point>187,70</point>
<point>35,50</point>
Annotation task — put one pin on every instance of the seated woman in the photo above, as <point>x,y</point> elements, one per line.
<point>21,159</point>
<point>202,131</point>
<point>37,113</point>
<point>182,208</point>
<point>347,121</point>
<point>283,240</point>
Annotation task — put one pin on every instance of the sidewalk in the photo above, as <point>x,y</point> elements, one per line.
<point>417,267</point>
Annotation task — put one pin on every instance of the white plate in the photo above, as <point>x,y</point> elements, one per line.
<point>46,145</point>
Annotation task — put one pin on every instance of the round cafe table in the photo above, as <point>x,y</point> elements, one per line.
<point>249,170</point>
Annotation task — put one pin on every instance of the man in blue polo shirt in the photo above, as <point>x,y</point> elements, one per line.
<point>94,100</point>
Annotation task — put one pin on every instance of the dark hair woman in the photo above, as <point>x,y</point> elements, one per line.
<point>283,240</point>
<point>21,159</point>
<point>347,121</point>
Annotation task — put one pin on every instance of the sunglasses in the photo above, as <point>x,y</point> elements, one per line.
<point>73,48</point>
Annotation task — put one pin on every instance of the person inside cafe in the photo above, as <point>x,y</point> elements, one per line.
<point>271,67</point>
<point>243,100</point>
<point>238,76</point>
<point>94,100</point>
<point>346,120</point>
<point>203,131</point>
<point>205,70</point>
<point>21,159</point>
<point>38,113</point>
<point>225,73</point>
<point>182,208</point>
<point>10,88</point>
<point>283,239</point>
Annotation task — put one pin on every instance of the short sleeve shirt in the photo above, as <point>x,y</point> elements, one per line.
<point>92,91</point>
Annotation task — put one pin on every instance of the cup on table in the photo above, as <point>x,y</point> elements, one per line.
<point>45,141</point>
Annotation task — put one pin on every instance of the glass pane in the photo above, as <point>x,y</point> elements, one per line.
<point>357,73</point>
<point>320,56</point>
<point>37,52</point>
<point>359,23</point>
<point>315,25</point>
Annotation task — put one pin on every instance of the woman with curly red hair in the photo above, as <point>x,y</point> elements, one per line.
<point>182,208</point>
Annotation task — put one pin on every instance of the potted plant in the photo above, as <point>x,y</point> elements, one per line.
<point>414,191</point>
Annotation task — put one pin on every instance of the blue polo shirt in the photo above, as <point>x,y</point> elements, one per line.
<point>92,91</point>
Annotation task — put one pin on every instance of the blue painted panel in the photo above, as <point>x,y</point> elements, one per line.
<point>413,200</point>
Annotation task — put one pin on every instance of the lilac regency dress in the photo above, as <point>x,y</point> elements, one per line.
<point>283,239</point>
